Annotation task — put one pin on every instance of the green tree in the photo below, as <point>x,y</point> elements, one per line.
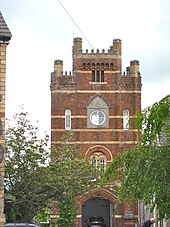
<point>71,176</point>
<point>33,183</point>
<point>26,180</point>
<point>43,217</point>
<point>144,171</point>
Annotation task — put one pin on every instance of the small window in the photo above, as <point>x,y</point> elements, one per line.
<point>102,76</point>
<point>111,65</point>
<point>67,119</point>
<point>94,167</point>
<point>84,65</point>
<point>93,76</point>
<point>94,162</point>
<point>102,165</point>
<point>98,161</point>
<point>126,119</point>
<point>98,76</point>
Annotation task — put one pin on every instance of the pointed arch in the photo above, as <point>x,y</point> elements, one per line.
<point>97,112</point>
<point>102,149</point>
<point>97,98</point>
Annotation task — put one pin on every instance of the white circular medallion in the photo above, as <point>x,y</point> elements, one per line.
<point>97,117</point>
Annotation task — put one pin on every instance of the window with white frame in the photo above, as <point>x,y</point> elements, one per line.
<point>67,119</point>
<point>126,119</point>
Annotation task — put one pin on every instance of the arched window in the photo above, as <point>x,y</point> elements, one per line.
<point>126,119</point>
<point>98,161</point>
<point>67,119</point>
<point>107,65</point>
<point>84,65</point>
<point>111,65</point>
<point>98,76</point>
<point>93,76</point>
<point>102,76</point>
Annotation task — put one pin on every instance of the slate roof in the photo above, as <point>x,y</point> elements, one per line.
<point>5,34</point>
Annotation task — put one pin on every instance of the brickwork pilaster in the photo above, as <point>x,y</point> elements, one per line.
<point>2,119</point>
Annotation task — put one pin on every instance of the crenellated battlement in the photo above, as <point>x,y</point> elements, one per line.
<point>110,51</point>
<point>67,73</point>
<point>86,59</point>
<point>96,68</point>
<point>115,49</point>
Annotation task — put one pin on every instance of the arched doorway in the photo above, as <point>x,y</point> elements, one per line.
<point>97,207</point>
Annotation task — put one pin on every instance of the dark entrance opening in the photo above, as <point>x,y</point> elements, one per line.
<point>97,207</point>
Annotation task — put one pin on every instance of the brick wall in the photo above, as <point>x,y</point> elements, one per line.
<point>2,119</point>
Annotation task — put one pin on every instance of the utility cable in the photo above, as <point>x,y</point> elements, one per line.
<point>79,30</point>
<point>75,23</point>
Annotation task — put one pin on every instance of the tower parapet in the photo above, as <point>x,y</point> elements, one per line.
<point>117,47</point>
<point>77,46</point>
<point>58,68</point>
<point>93,57</point>
<point>134,68</point>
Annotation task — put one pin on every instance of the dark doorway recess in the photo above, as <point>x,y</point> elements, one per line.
<point>96,207</point>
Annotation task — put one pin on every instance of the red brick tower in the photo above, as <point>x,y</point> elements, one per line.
<point>96,101</point>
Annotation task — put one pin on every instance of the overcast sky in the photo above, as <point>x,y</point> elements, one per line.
<point>43,31</point>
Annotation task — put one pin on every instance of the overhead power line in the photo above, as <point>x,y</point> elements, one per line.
<point>78,28</point>
<point>75,23</point>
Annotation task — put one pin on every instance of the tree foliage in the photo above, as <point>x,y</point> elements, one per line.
<point>32,183</point>
<point>25,171</point>
<point>71,176</point>
<point>144,170</point>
